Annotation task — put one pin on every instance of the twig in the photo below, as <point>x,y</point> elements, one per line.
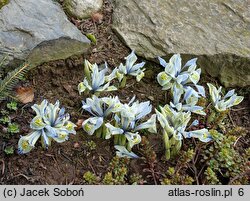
<point>239,109</point>
<point>26,177</point>
<point>201,170</point>
<point>91,166</point>
<point>53,157</point>
<point>65,156</point>
<point>237,141</point>
<point>231,119</point>
<point>3,166</point>
<point>195,170</point>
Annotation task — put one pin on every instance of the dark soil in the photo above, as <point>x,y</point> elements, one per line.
<point>67,162</point>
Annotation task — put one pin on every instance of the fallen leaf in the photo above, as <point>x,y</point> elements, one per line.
<point>97,17</point>
<point>25,94</point>
<point>68,88</point>
<point>76,145</point>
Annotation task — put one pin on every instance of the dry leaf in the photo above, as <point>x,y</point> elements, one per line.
<point>25,94</point>
<point>97,17</point>
<point>76,145</point>
<point>68,88</point>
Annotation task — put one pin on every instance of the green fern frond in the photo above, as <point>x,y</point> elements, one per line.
<point>9,82</point>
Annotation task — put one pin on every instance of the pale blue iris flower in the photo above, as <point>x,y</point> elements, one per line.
<point>99,108</point>
<point>95,79</point>
<point>187,102</point>
<point>50,122</point>
<point>123,152</point>
<point>129,121</point>
<point>175,124</point>
<point>178,76</point>
<point>130,68</point>
<point>202,134</point>
<point>223,103</point>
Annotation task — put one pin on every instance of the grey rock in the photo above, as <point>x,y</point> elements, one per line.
<point>215,31</point>
<point>37,31</point>
<point>82,8</point>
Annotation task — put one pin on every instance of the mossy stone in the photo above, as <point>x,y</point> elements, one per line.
<point>3,3</point>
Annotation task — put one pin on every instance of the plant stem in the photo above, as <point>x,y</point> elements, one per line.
<point>123,83</point>
<point>211,117</point>
<point>103,131</point>
<point>116,139</point>
<point>167,145</point>
<point>123,140</point>
<point>99,132</point>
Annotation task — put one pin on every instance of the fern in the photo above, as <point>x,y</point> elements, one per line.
<point>9,82</point>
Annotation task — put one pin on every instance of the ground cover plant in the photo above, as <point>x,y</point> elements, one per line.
<point>135,122</point>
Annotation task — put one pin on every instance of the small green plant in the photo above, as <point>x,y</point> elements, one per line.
<point>91,145</point>
<point>12,105</point>
<point>4,112</point>
<point>176,178</point>
<point>178,174</point>
<point>13,128</point>
<point>211,177</point>
<point>5,120</point>
<point>90,178</point>
<point>117,172</point>
<point>7,126</point>
<point>50,122</point>
<point>136,179</point>
<point>92,38</point>
<point>9,150</point>
<point>223,160</point>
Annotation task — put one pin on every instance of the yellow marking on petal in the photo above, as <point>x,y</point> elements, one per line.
<point>69,126</point>
<point>39,122</point>
<point>87,127</point>
<point>25,144</point>
<point>62,135</point>
<point>164,76</point>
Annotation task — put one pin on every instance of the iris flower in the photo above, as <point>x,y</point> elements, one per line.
<point>178,76</point>
<point>188,102</point>
<point>99,108</point>
<point>95,79</point>
<point>123,152</point>
<point>129,121</point>
<point>223,103</point>
<point>130,68</point>
<point>175,124</point>
<point>50,122</point>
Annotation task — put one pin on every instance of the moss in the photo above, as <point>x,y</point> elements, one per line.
<point>3,3</point>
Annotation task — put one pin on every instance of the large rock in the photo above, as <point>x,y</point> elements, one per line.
<point>82,8</point>
<point>216,31</point>
<point>37,31</point>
